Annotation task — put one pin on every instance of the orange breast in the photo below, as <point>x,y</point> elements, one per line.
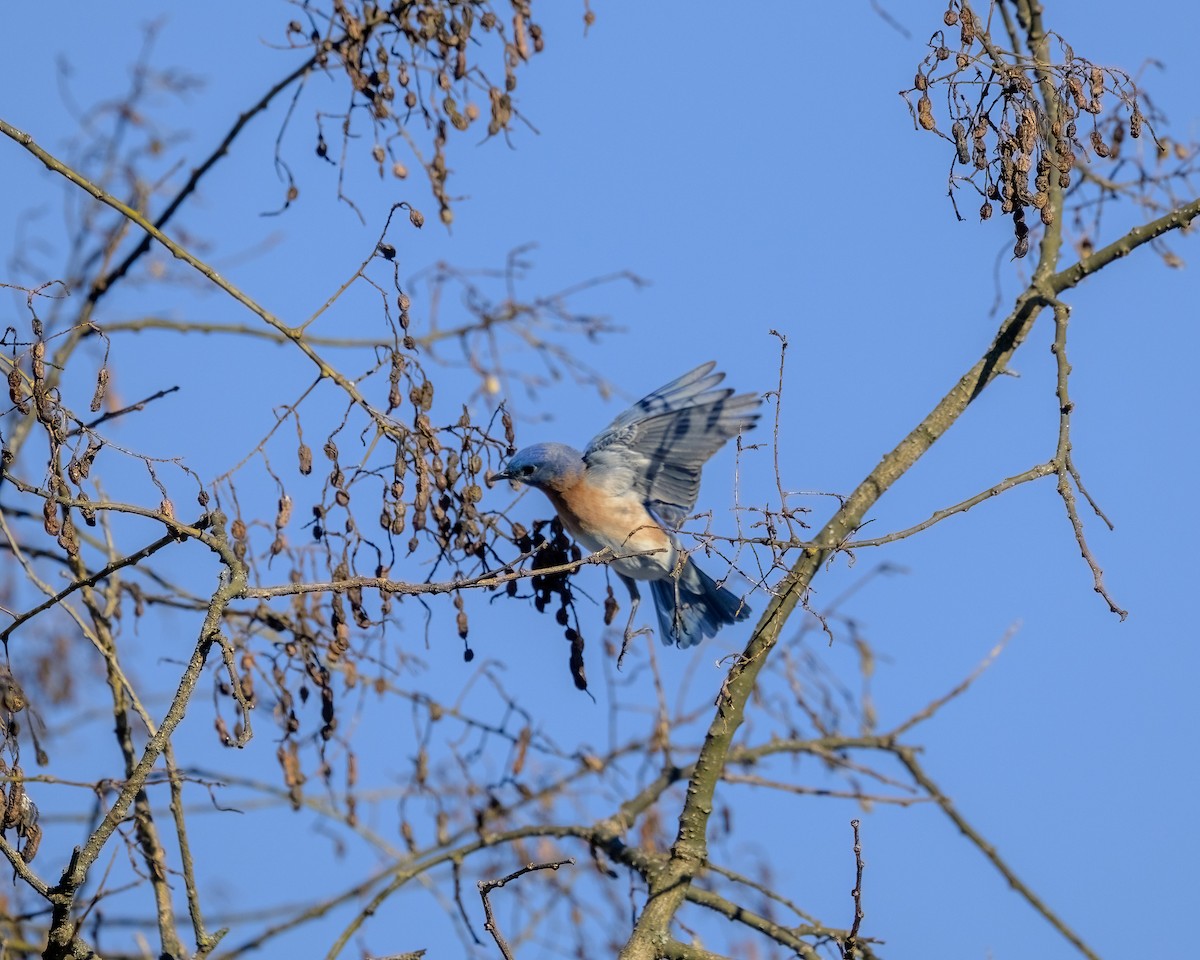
<point>599,520</point>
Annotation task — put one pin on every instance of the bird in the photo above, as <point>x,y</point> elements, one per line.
<point>635,483</point>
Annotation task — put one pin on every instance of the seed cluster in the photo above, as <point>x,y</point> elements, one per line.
<point>17,811</point>
<point>413,66</point>
<point>1015,126</point>
<point>551,548</point>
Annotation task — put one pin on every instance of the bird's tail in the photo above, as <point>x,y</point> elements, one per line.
<point>692,606</point>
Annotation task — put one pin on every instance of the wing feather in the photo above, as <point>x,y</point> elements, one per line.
<point>658,446</point>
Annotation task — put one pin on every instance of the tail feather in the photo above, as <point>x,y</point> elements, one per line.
<point>692,606</point>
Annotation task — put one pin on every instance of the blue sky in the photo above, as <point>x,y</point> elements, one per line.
<point>762,174</point>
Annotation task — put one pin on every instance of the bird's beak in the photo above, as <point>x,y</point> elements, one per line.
<point>501,474</point>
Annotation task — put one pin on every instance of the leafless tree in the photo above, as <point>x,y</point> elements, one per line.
<point>285,575</point>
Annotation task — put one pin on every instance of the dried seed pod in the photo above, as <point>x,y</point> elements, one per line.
<point>416,218</point>
<point>342,498</point>
<point>921,82</point>
<point>101,387</point>
<point>509,434</point>
<point>50,515</point>
<point>284,513</point>
<point>1135,123</point>
<point>961,60</point>
<point>985,213</point>
<point>238,529</point>
<point>950,18</point>
<point>942,53</point>
<point>1047,213</point>
<point>1097,81</point>
<point>1027,130</point>
<point>16,390</point>
<point>1099,147</point>
<point>12,807</point>
<point>1075,86</point>
<point>967,30</point>
<point>39,360</point>
<point>925,113</point>
<point>33,839</point>
<point>331,450</point>
<point>959,132</point>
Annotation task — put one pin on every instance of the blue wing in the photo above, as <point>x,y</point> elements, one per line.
<point>658,446</point>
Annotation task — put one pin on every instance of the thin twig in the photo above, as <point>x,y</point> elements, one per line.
<point>487,886</point>
<point>908,757</point>
<point>850,943</point>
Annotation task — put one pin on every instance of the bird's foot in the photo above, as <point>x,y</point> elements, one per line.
<point>630,636</point>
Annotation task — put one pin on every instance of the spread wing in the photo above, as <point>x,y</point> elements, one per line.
<point>657,447</point>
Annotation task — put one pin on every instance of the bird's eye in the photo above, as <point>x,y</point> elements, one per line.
<point>527,470</point>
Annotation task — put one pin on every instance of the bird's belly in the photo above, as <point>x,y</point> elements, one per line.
<point>623,526</point>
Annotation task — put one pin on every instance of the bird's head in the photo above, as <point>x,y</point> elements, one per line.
<point>543,465</point>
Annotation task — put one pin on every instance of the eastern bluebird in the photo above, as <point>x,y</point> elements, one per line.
<point>633,486</point>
